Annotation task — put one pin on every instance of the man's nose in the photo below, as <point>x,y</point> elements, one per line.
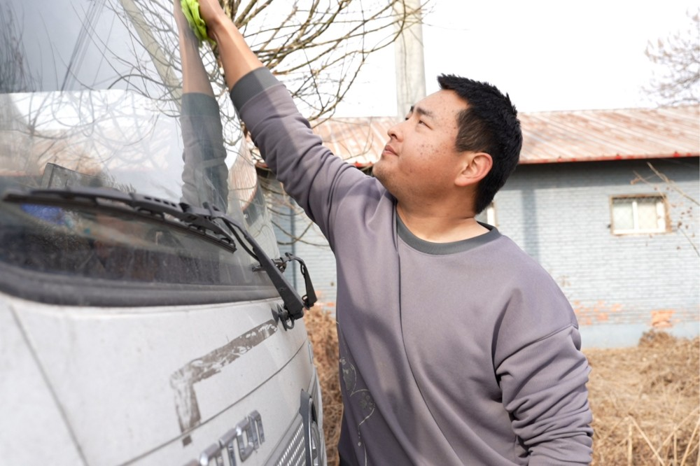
<point>394,131</point>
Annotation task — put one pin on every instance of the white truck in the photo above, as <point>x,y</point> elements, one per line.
<point>143,319</point>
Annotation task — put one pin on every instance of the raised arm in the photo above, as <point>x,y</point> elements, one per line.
<point>315,178</point>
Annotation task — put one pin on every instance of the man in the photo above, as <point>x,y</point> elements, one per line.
<point>455,346</point>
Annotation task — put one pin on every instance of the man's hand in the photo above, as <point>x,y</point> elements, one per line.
<point>235,55</point>
<point>213,15</point>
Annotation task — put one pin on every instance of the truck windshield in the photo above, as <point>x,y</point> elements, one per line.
<point>118,94</point>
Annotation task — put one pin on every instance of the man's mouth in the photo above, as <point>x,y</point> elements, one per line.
<point>388,150</point>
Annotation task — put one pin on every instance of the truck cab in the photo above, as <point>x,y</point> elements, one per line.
<point>144,316</point>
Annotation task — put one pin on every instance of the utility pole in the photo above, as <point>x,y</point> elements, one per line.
<point>408,50</point>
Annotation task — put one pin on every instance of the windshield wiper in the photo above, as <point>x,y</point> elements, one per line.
<point>208,221</point>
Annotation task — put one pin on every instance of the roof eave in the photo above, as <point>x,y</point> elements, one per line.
<point>608,158</point>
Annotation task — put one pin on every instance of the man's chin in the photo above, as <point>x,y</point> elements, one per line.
<point>379,171</point>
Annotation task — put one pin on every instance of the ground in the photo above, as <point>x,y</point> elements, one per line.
<point>645,400</point>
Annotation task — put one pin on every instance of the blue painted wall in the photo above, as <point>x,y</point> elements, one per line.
<point>560,215</point>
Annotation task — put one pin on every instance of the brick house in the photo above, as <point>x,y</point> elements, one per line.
<point>588,201</point>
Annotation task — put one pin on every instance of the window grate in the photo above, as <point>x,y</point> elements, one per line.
<point>639,215</point>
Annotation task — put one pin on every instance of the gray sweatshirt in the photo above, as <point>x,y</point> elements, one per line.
<point>457,353</point>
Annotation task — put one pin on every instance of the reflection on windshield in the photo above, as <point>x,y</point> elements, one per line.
<point>118,94</point>
<point>112,134</point>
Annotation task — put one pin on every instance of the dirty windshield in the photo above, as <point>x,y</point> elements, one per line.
<point>118,95</point>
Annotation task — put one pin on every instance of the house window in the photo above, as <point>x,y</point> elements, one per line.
<point>488,215</point>
<point>639,214</point>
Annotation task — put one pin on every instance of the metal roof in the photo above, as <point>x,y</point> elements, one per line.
<point>572,136</point>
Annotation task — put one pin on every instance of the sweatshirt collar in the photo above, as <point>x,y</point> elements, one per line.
<point>438,249</point>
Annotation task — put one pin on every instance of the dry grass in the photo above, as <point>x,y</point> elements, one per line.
<point>324,338</point>
<point>645,400</point>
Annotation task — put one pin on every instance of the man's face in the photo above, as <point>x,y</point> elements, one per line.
<point>421,160</point>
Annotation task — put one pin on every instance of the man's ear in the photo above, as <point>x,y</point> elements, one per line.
<point>476,166</point>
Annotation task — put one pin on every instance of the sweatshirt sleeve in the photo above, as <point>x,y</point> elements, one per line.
<point>314,177</point>
<point>544,390</point>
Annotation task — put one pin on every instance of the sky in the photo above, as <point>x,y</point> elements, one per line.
<point>548,55</point>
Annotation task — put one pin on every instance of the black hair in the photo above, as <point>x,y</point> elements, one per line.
<point>489,124</point>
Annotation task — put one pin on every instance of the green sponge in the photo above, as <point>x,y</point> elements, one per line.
<point>190,8</point>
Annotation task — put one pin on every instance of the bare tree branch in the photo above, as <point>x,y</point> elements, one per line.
<point>677,81</point>
<point>685,218</point>
<point>318,47</point>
